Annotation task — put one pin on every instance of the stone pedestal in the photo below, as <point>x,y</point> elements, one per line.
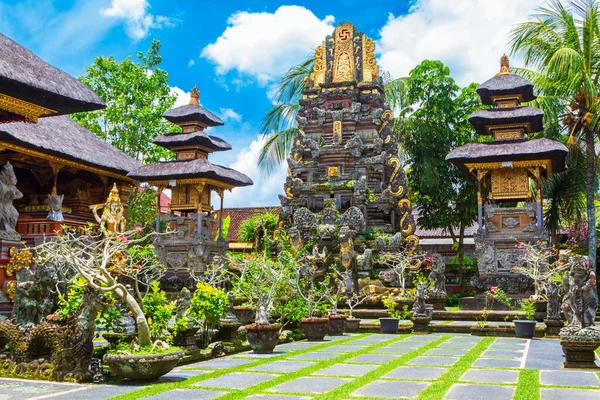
<point>438,302</point>
<point>228,331</point>
<point>579,354</point>
<point>186,339</point>
<point>553,327</point>
<point>421,324</point>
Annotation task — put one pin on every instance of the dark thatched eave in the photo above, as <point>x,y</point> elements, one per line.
<point>62,137</point>
<point>192,112</point>
<point>518,150</point>
<point>25,76</point>
<point>500,116</point>
<point>189,169</point>
<point>502,85</point>
<point>198,138</point>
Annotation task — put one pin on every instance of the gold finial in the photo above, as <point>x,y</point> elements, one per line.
<point>504,67</point>
<point>195,96</point>
<point>114,195</point>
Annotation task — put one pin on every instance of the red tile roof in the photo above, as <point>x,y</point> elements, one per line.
<point>240,214</point>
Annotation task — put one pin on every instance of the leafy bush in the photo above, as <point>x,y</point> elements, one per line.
<point>257,227</point>
<point>390,304</point>
<point>454,300</point>
<point>158,310</point>
<point>529,308</point>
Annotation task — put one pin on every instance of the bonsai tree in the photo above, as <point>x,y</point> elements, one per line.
<point>540,265</point>
<point>355,299</point>
<point>313,293</point>
<point>100,260</point>
<point>399,263</point>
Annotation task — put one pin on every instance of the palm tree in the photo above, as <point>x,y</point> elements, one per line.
<point>279,125</point>
<point>561,50</point>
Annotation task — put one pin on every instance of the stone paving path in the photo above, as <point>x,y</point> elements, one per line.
<point>437,366</point>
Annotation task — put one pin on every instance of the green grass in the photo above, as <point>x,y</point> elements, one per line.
<point>528,385</point>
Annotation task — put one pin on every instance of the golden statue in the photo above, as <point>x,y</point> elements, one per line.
<point>113,219</point>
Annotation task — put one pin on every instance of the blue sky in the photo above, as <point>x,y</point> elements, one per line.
<point>235,50</point>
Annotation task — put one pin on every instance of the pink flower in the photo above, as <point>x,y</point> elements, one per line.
<point>124,239</point>
<point>139,229</point>
<point>231,264</point>
<point>139,266</point>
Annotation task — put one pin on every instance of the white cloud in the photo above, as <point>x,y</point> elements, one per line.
<point>183,97</point>
<point>264,191</point>
<point>469,36</point>
<point>227,114</point>
<point>138,20</point>
<point>264,45</point>
<point>191,62</point>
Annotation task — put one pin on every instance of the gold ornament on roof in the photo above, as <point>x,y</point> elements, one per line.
<point>29,111</point>
<point>112,221</point>
<point>504,66</point>
<point>195,96</point>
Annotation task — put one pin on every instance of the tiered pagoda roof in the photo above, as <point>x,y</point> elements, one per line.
<point>192,147</point>
<point>31,88</point>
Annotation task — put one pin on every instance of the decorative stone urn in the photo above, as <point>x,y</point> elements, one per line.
<point>352,325</point>
<point>143,368</point>
<point>263,338</point>
<point>579,339</point>
<point>244,314</point>
<point>315,329</point>
<point>337,324</point>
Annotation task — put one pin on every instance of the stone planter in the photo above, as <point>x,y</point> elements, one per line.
<point>579,354</point>
<point>228,331</point>
<point>524,328</point>
<point>541,305</point>
<point>263,338</point>
<point>352,325</point>
<point>185,338</point>
<point>439,303</point>
<point>421,324</point>
<point>244,314</point>
<point>315,329</point>
<point>337,324</point>
<point>496,331</point>
<point>143,368</point>
<point>553,327</point>
<point>114,338</point>
<point>389,325</point>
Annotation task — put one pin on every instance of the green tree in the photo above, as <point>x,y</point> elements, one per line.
<point>560,47</point>
<point>258,227</point>
<point>446,197</point>
<point>136,94</point>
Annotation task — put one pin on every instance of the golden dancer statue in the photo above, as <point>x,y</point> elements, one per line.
<point>112,221</point>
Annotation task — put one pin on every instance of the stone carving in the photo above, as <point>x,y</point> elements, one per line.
<point>354,219</point>
<point>360,186</point>
<point>354,145</point>
<point>438,274</point>
<point>8,193</point>
<point>304,219</point>
<point>35,294</point>
<point>125,323</point>
<point>510,222</point>
<point>419,304</point>
<point>364,260</point>
<point>112,221</point>
<point>55,203</point>
<point>553,308</point>
<point>580,302</point>
<point>346,248</point>
<point>183,303</point>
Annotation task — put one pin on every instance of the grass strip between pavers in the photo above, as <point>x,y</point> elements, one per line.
<point>343,391</point>
<point>440,387</point>
<point>308,371</point>
<point>528,385</point>
<point>189,383</point>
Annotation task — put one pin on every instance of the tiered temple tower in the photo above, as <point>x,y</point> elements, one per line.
<point>506,170</point>
<point>345,181</point>
<point>191,178</point>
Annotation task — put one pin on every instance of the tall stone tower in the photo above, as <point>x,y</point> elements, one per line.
<point>345,184</point>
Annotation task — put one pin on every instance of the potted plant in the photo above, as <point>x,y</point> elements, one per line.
<point>206,307</point>
<point>355,299</point>
<point>313,293</point>
<point>260,280</point>
<point>337,321</point>
<point>390,324</point>
<point>101,260</point>
<point>494,295</point>
<point>526,328</point>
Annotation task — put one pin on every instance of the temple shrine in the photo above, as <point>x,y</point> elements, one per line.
<point>506,169</point>
<point>53,171</point>
<point>192,178</point>
<point>345,182</point>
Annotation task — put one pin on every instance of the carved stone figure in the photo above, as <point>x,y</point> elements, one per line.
<point>8,193</point>
<point>125,323</point>
<point>354,219</point>
<point>346,248</point>
<point>364,260</point>
<point>360,186</point>
<point>438,274</point>
<point>419,304</point>
<point>553,308</point>
<point>580,302</point>
<point>55,203</point>
<point>112,221</point>
<point>25,308</point>
<point>183,303</point>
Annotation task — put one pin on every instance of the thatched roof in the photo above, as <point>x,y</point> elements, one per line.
<point>189,169</point>
<point>197,138</point>
<point>192,112</point>
<point>516,150</point>
<point>62,137</point>
<point>25,76</point>
<point>498,116</point>
<point>506,84</point>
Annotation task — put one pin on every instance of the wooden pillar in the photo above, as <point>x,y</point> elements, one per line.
<point>221,193</point>
<point>159,190</point>
<point>540,215</point>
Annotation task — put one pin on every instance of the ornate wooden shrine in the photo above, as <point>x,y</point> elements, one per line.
<point>53,169</point>
<point>345,180</point>
<point>506,170</point>
<point>191,178</point>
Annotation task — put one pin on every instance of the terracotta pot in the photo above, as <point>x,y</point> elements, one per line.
<point>315,328</point>
<point>143,368</point>
<point>244,314</point>
<point>337,324</point>
<point>263,338</point>
<point>352,325</point>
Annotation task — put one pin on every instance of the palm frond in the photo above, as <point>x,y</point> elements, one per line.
<point>276,149</point>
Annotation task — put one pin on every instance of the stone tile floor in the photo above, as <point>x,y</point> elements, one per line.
<point>436,366</point>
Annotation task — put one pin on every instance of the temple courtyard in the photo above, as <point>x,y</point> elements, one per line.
<point>361,366</point>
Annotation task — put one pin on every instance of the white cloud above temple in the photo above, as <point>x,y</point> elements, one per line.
<point>265,45</point>
<point>138,20</point>
<point>469,36</point>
